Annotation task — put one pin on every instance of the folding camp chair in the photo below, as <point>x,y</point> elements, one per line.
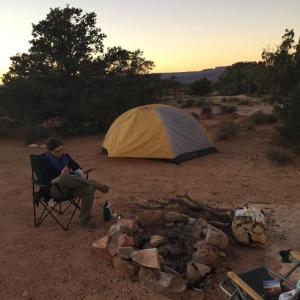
<point>250,285</point>
<point>42,207</point>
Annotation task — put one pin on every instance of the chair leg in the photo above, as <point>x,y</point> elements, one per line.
<point>61,211</point>
<point>76,204</point>
<point>34,214</point>
<point>35,202</point>
<point>56,208</point>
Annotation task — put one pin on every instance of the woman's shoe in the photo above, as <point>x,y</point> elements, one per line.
<point>89,224</point>
<point>102,188</point>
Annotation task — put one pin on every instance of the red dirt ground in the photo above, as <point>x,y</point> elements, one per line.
<point>49,263</point>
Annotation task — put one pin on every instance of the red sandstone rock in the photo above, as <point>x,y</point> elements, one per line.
<point>196,271</point>
<point>147,258</point>
<point>216,237</point>
<point>101,247</point>
<point>205,254</point>
<point>124,267</point>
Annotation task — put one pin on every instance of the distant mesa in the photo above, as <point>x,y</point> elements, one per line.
<point>188,77</point>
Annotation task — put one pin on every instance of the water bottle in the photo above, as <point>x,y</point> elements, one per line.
<point>298,284</point>
<point>106,211</point>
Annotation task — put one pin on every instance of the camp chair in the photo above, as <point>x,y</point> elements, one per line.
<point>42,208</point>
<point>249,285</point>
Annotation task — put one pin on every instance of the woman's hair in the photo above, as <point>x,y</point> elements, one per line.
<point>53,143</point>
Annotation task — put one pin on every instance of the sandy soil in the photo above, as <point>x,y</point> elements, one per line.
<point>49,263</point>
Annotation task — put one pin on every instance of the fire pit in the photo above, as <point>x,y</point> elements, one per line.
<point>168,251</point>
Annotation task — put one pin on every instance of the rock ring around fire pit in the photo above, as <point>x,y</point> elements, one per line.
<point>169,252</point>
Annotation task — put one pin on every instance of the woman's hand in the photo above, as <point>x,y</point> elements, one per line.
<point>65,171</point>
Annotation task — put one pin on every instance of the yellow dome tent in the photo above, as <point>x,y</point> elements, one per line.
<point>157,131</point>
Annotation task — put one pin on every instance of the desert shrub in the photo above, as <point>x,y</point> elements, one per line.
<point>206,109</point>
<point>179,101</point>
<point>233,99</point>
<point>289,128</point>
<point>210,115</point>
<point>200,102</point>
<point>278,140</point>
<point>224,109</point>
<point>260,117</point>
<point>195,115</point>
<point>4,128</point>
<point>278,156</point>
<point>266,99</point>
<point>297,149</point>
<point>209,102</point>
<point>187,103</point>
<point>249,124</point>
<point>227,129</point>
<point>232,109</point>
<point>79,129</point>
<point>34,132</point>
<point>244,102</point>
<point>190,102</point>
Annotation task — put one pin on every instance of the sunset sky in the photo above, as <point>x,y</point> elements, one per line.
<point>177,36</point>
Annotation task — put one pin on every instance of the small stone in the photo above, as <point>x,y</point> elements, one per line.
<point>156,240</point>
<point>124,252</point>
<point>131,225</point>
<point>192,221</point>
<point>205,254</point>
<point>25,294</point>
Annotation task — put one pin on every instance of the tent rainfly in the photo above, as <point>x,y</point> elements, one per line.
<point>157,131</point>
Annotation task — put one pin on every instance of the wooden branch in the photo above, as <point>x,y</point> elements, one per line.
<point>223,214</point>
<point>219,224</point>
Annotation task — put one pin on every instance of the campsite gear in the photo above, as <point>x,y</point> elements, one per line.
<point>250,285</point>
<point>298,284</point>
<point>157,131</point>
<point>43,204</point>
<point>272,289</point>
<point>106,211</point>
<point>285,256</point>
<point>249,226</point>
<point>291,295</point>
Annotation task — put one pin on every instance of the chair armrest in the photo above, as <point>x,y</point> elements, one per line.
<point>88,171</point>
<point>244,286</point>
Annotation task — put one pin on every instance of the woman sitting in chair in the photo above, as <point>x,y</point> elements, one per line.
<point>68,180</point>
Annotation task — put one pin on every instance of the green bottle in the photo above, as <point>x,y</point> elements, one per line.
<point>106,211</point>
<point>298,284</point>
